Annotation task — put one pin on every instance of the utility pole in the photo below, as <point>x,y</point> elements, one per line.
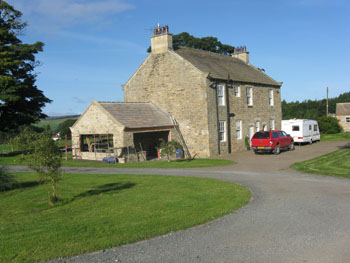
<point>327,101</point>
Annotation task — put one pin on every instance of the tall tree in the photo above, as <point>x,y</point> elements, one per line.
<point>21,101</point>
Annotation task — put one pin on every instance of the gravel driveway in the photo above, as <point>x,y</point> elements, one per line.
<point>292,217</point>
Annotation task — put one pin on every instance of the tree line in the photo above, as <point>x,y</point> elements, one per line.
<point>312,109</point>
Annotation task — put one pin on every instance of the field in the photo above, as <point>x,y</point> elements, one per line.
<point>332,164</point>
<point>103,211</point>
<point>53,122</point>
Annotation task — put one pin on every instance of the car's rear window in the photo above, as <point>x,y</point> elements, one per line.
<point>261,135</point>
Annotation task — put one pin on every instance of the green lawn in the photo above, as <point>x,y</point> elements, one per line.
<point>15,160</point>
<point>103,211</point>
<point>342,136</point>
<point>332,164</point>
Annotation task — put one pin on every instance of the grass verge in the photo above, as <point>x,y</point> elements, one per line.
<point>15,160</point>
<point>103,211</point>
<point>342,136</point>
<point>332,164</point>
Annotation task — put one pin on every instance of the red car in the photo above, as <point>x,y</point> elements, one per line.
<point>272,141</point>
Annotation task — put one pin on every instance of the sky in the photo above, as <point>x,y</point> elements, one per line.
<point>92,47</point>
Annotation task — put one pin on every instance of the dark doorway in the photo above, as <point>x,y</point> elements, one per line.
<point>149,141</point>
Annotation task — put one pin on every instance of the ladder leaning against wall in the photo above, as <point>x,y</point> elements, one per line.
<point>179,135</point>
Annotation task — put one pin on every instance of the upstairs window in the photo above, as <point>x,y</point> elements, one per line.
<point>237,91</point>
<point>238,129</point>
<point>249,96</point>
<point>220,92</point>
<point>347,119</point>
<point>271,97</point>
<point>222,131</point>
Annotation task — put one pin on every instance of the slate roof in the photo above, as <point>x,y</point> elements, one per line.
<point>219,66</point>
<point>343,109</point>
<point>137,114</point>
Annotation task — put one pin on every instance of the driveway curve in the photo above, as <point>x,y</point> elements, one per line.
<point>292,217</point>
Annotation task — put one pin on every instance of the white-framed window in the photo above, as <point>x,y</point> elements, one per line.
<point>257,126</point>
<point>238,129</point>
<point>272,124</point>
<point>220,92</point>
<point>222,131</point>
<point>271,103</point>
<point>237,91</point>
<point>347,119</point>
<point>249,96</point>
<point>264,127</point>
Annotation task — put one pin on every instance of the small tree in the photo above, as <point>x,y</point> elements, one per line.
<point>169,148</point>
<point>43,156</point>
<point>329,125</point>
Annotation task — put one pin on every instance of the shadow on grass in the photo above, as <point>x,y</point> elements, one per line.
<point>106,188</point>
<point>15,185</point>
<point>344,146</point>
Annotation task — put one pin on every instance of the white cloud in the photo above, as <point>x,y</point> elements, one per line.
<point>60,14</point>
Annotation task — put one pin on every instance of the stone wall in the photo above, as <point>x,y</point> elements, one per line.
<point>177,87</point>
<point>239,110</point>
<point>343,123</point>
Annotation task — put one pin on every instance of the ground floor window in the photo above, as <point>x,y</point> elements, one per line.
<point>222,131</point>
<point>238,129</point>
<point>347,119</point>
<point>96,142</point>
<point>272,124</point>
<point>257,126</point>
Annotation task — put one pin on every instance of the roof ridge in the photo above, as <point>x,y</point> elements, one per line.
<point>124,102</point>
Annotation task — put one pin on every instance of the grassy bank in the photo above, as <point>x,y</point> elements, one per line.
<point>332,164</point>
<point>102,211</point>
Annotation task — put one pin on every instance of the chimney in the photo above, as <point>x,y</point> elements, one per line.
<point>162,40</point>
<point>241,53</point>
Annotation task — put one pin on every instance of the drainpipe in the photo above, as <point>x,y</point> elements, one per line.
<point>217,115</point>
<point>228,115</point>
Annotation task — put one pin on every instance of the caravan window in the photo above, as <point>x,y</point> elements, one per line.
<point>310,127</point>
<point>315,127</point>
<point>295,128</point>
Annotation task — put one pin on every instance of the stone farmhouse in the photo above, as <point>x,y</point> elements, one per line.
<point>217,101</point>
<point>343,115</point>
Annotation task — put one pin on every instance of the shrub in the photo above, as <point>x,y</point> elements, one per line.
<point>329,125</point>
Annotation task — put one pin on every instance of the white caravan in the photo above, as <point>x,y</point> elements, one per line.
<point>302,131</point>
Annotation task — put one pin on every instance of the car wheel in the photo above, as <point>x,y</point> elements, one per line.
<point>277,150</point>
<point>292,147</point>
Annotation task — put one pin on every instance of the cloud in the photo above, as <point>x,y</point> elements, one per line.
<point>79,100</point>
<point>60,14</point>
